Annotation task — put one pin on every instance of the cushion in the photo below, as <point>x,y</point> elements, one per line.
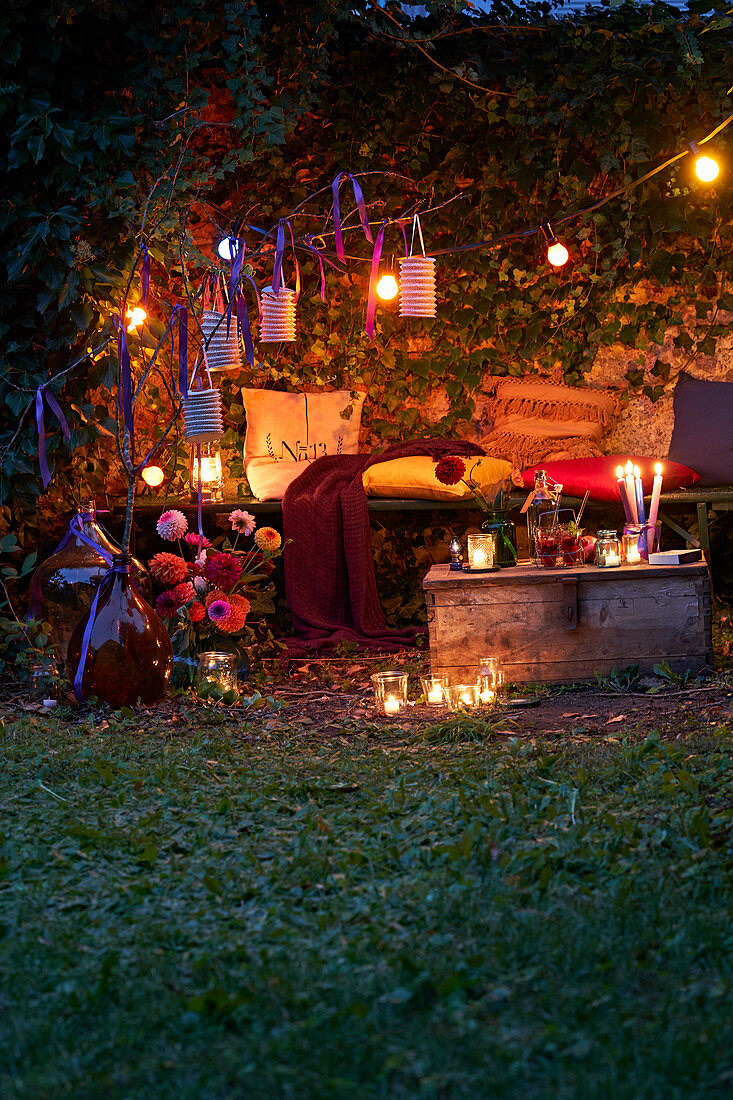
<point>702,436</point>
<point>268,479</point>
<point>534,420</point>
<point>414,476</point>
<point>296,426</point>
<point>599,475</point>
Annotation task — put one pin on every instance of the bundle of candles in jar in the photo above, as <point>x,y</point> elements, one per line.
<point>640,532</point>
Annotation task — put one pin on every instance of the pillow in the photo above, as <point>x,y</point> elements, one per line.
<point>599,475</point>
<point>702,436</point>
<point>296,426</point>
<point>268,479</point>
<point>414,477</point>
<point>534,420</point>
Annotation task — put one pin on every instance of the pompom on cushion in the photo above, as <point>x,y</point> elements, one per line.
<point>534,421</point>
<point>598,475</point>
<point>702,436</point>
<point>293,427</point>
<point>414,478</point>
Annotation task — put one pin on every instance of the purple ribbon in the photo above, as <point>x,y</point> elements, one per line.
<point>243,325</point>
<point>372,300</point>
<point>79,674</point>
<point>200,508</point>
<point>234,279</point>
<point>182,351</point>
<point>145,278</point>
<point>74,530</point>
<point>359,199</point>
<point>279,252</point>
<point>41,426</point>
<point>123,355</point>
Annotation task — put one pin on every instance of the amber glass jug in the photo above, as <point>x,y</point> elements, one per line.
<point>63,586</point>
<point>121,644</point>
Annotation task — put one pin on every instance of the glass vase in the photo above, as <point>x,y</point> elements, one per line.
<point>64,585</point>
<point>506,537</point>
<point>129,655</point>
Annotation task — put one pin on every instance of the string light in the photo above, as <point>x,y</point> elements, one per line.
<point>557,253</point>
<point>135,316</point>
<point>228,248</point>
<point>153,476</point>
<point>706,169</point>
<point>387,287</point>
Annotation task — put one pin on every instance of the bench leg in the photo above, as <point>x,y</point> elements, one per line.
<point>704,531</point>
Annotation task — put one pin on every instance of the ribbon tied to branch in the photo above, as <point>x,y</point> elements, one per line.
<point>55,408</point>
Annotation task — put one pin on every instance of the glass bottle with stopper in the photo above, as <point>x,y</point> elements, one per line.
<point>545,497</point>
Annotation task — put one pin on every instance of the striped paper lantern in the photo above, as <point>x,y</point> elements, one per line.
<point>277,315</point>
<point>417,286</point>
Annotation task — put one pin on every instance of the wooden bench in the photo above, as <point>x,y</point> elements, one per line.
<point>719,499</point>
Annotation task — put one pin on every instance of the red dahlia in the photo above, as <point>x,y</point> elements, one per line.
<point>222,569</point>
<point>449,469</point>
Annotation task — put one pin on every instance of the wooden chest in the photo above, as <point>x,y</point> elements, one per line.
<point>567,624</point>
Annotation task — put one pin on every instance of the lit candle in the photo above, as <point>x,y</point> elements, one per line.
<point>487,696</point>
<point>479,558</point>
<point>391,705</point>
<point>654,506</point>
<point>612,559</point>
<point>623,494</point>
<point>630,492</point>
<point>435,695</point>
<point>639,493</point>
<point>466,697</point>
<point>633,557</point>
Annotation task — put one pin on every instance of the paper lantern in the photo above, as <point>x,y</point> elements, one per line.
<point>220,352</point>
<point>277,315</point>
<point>203,418</point>
<point>417,286</point>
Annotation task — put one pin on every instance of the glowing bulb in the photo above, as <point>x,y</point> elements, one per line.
<point>706,169</point>
<point>228,248</point>
<point>153,476</point>
<point>135,316</point>
<point>557,254</point>
<point>387,288</point>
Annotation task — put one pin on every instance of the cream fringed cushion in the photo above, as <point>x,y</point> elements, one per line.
<point>535,421</point>
<point>295,427</point>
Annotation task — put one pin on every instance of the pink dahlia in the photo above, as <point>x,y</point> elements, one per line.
<point>222,569</point>
<point>220,611</point>
<point>268,539</point>
<point>172,525</point>
<point>240,606</point>
<point>192,539</point>
<point>242,522</point>
<point>449,469</point>
<point>184,593</point>
<point>196,612</point>
<point>168,568</point>
<point>166,604</point>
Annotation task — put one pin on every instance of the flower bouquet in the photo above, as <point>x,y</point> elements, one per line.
<point>209,591</point>
<point>450,469</point>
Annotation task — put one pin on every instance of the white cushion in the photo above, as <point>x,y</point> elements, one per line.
<point>268,479</point>
<point>297,426</point>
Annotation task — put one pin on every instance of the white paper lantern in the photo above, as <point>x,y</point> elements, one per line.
<point>220,353</point>
<point>203,417</point>
<point>417,286</point>
<point>277,315</point>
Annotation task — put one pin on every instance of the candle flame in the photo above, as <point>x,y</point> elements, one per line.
<point>637,472</point>
<point>629,468</point>
<point>658,469</point>
<point>619,471</point>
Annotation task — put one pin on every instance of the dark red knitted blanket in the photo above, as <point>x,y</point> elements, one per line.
<point>330,583</point>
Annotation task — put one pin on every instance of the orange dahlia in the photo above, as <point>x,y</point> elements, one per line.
<point>196,612</point>
<point>240,606</point>
<point>267,539</point>
<point>168,568</point>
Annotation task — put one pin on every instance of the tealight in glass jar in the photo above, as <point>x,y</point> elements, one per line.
<point>608,550</point>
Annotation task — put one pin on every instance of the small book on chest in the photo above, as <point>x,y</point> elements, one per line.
<point>675,557</point>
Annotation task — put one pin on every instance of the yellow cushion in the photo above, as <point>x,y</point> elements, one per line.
<point>414,476</point>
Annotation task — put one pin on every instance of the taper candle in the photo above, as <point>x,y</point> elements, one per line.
<point>630,492</point>
<point>654,506</point>
<point>639,493</point>
<point>623,494</point>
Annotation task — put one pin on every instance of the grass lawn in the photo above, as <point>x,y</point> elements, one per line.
<point>212,909</point>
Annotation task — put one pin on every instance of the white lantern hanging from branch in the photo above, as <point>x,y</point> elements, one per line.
<point>277,315</point>
<point>203,418</point>
<point>417,286</point>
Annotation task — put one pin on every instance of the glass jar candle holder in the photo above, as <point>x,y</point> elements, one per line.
<point>608,550</point>
<point>211,472</point>
<point>42,680</point>
<point>390,691</point>
<point>216,671</point>
<point>481,552</point>
<point>463,695</point>
<point>640,540</point>
<point>433,689</point>
<point>490,681</point>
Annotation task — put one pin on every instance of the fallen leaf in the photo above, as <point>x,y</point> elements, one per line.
<point>618,718</point>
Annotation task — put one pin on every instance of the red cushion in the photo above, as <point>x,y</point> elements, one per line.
<point>578,475</point>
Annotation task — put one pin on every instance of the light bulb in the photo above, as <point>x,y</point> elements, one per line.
<point>153,476</point>
<point>706,169</point>
<point>387,288</point>
<point>228,248</point>
<point>135,316</point>
<point>557,254</point>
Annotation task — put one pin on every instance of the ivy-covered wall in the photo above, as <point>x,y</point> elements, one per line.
<point>201,122</point>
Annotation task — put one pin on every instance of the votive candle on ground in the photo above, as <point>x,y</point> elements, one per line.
<point>433,688</point>
<point>462,695</point>
<point>490,680</point>
<point>390,691</point>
